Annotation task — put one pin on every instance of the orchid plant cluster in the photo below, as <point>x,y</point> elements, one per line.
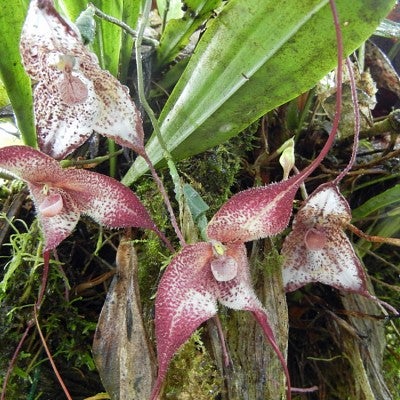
<point>74,97</point>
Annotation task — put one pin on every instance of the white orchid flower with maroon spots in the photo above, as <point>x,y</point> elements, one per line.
<point>62,195</point>
<point>318,250</point>
<point>73,96</point>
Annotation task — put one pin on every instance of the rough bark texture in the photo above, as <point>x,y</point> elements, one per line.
<point>255,372</point>
<point>369,344</point>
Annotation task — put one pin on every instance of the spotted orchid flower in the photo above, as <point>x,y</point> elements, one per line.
<point>73,96</point>
<point>318,250</point>
<point>207,273</point>
<point>62,195</point>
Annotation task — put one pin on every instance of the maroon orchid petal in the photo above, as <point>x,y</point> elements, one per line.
<point>186,298</point>
<point>255,213</point>
<point>317,250</point>
<point>74,95</point>
<point>105,200</point>
<point>29,164</point>
<point>238,294</point>
<point>62,195</point>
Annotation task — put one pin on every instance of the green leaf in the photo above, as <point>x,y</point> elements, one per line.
<point>178,31</point>
<point>252,58</point>
<point>197,207</point>
<point>108,45</point>
<point>12,73</point>
<point>196,204</point>
<point>169,9</point>
<point>130,14</point>
<point>388,198</point>
<point>4,99</point>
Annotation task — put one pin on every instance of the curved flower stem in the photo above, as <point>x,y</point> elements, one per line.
<point>306,172</point>
<point>339,79</point>
<point>153,119</point>
<point>356,110</point>
<point>46,262</point>
<point>35,314</point>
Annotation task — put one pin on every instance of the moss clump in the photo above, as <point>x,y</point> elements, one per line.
<point>215,173</point>
<point>193,374</point>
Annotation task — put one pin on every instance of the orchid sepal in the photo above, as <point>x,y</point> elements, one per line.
<point>72,193</point>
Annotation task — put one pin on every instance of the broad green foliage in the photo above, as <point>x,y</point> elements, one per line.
<point>389,198</point>
<point>253,57</point>
<point>12,73</point>
<point>178,31</point>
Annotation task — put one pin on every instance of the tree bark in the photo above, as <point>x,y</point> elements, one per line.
<point>255,372</point>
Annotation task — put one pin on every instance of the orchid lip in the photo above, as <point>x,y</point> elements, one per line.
<point>224,268</point>
<point>315,239</point>
<point>52,205</point>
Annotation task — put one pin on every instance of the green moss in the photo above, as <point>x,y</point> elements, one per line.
<point>215,173</point>
<point>391,358</point>
<point>193,374</point>
<point>67,329</point>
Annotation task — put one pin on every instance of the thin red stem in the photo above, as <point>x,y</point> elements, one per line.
<point>164,194</point>
<point>356,110</point>
<point>46,261</point>
<point>60,380</point>
<point>14,359</point>
<point>300,177</point>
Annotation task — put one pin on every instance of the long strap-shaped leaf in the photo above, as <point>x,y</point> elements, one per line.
<point>12,73</point>
<point>255,56</point>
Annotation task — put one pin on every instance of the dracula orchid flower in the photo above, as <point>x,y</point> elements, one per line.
<point>73,96</point>
<point>318,250</point>
<point>206,273</point>
<point>62,195</point>
<point>201,275</point>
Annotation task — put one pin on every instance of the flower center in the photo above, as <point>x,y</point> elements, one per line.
<point>51,205</point>
<point>71,88</point>
<point>223,267</point>
<point>315,239</point>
